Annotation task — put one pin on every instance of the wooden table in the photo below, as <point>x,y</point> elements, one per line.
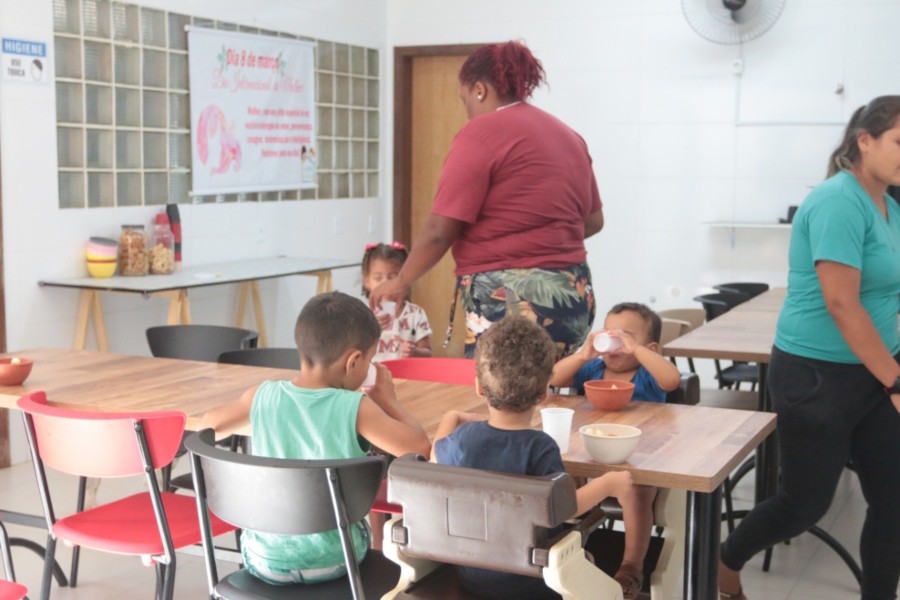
<point>690,448</point>
<point>175,287</point>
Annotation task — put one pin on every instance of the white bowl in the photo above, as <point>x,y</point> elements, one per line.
<point>610,443</point>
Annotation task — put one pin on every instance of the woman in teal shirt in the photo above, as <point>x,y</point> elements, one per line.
<point>834,376</point>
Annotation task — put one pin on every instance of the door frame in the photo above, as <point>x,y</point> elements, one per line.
<point>403,71</point>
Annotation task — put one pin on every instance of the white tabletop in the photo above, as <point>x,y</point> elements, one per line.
<point>204,275</point>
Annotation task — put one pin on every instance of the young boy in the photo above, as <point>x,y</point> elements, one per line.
<point>320,414</point>
<point>638,360</point>
<point>513,362</point>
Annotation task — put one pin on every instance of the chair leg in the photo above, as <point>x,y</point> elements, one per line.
<point>839,549</point>
<point>727,486</point>
<point>76,550</point>
<point>169,581</point>
<point>49,562</point>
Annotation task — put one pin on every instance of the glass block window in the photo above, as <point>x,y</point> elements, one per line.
<point>123,118</point>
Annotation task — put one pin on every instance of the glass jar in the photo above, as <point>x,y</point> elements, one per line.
<point>133,251</point>
<point>162,252</point>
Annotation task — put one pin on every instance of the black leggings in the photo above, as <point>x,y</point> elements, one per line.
<point>829,413</point>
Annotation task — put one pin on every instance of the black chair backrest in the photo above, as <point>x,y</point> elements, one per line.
<point>720,303</point>
<point>474,517</point>
<point>277,358</point>
<point>198,342</point>
<point>751,289</point>
<point>687,392</point>
<point>273,495</point>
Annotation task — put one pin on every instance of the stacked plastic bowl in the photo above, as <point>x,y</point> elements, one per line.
<point>101,256</point>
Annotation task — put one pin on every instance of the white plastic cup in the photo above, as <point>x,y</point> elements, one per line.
<point>370,377</point>
<point>603,342</point>
<point>388,307</point>
<point>557,423</point>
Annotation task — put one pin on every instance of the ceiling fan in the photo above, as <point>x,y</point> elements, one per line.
<point>731,21</point>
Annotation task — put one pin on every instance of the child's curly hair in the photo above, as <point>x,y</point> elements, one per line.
<point>394,252</point>
<point>513,362</point>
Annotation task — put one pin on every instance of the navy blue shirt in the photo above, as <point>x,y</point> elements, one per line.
<point>477,445</point>
<point>645,387</point>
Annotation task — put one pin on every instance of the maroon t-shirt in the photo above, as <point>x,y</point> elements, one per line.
<point>522,182</point>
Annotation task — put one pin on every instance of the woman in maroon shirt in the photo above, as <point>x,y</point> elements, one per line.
<point>516,199</point>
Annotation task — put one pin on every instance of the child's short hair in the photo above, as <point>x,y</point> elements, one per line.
<point>513,362</point>
<point>394,252</point>
<point>332,323</point>
<point>650,318</point>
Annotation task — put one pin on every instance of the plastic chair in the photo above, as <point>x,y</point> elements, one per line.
<point>694,316</point>
<point>490,520</point>
<point>9,589</point>
<point>716,305</point>
<point>750,289</point>
<point>672,329</point>
<point>290,497</point>
<point>150,524</point>
<point>277,358</point>
<point>454,371</point>
<point>198,342</point>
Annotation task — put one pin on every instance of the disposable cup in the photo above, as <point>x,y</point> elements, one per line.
<point>388,307</point>
<point>603,342</point>
<point>557,423</point>
<point>370,377</point>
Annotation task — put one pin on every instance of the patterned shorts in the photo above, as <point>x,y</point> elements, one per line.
<point>559,300</point>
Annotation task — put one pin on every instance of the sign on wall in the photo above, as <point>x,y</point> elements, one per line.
<point>252,112</point>
<point>25,60</point>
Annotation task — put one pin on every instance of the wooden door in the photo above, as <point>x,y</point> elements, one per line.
<point>429,113</point>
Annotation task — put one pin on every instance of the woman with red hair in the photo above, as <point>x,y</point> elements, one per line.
<point>515,201</point>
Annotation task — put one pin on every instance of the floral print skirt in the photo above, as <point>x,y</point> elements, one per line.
<point>559,300</point>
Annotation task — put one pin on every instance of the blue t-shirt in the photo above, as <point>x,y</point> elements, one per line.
<point>645,387</point>
<point>839,222</point>
<point>523,452</point>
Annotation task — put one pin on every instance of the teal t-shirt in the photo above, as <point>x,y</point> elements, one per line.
<point>292,422</point>
<point>839,222</point>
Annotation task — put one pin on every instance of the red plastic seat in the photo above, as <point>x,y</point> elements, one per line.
<point>150,524</point>
<point>9,590</point>
<point>455,371</point>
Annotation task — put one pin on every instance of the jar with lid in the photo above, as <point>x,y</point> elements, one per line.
<point>162,251</point>
<point>133,251</point>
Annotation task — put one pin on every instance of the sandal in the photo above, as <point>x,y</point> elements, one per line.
<point>632,581</point>
<point>738,596</point>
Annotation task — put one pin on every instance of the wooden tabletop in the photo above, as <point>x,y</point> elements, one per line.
<point>685,447</point>
<point>250,269</point>
<point>746,332</point>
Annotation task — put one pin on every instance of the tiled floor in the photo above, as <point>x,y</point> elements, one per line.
<point>804,570</point>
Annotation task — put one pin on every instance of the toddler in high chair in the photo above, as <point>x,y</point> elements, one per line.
<point>404,329</point>
<point>638,360</point>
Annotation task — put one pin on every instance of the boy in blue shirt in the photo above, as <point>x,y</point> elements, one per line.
<point>637,360</point>
<point>513,362</point>
<point>321,414</point>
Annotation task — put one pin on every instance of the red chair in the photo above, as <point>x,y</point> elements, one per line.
<point>148,524</point>
<point>9,589</point>
<point>455,371</point>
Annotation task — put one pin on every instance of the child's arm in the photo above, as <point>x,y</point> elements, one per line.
<point>660,368</point>
<point>449,423</point>
<point>615,484</point>
<point>226,419</point>
<point>565,369</point>
<point>420,349</point>
<point>386,424</point>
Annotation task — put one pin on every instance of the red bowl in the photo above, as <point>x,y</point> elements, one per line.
<point>14,373</point>
<point>608,394</point>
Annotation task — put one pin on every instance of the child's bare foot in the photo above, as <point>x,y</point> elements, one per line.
<point>730,584</point>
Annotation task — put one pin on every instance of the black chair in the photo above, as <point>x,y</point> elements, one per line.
<point>715,306</point>
<point>749,288</point>
<point>289,497</point>
<point>277,358</point>
<point>497,521</point>
<point>198,342</point>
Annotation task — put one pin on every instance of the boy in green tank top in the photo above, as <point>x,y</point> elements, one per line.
<point>320,414</point>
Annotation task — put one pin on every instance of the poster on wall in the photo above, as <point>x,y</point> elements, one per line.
<point>253,112</point>
<point>24,60</point>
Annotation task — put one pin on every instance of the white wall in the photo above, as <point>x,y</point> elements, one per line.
<point>40,240</point>
<point>677,138</point>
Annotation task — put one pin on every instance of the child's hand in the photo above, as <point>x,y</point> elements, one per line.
<point>384,320</point>
<point>384,385</point>
<point>588,352</point>
<point>629,344</point>
<point>620,483</point>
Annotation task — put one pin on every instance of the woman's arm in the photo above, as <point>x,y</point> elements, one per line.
<point>593,223</point>
<point>437,235</point>
<point>840,288</point>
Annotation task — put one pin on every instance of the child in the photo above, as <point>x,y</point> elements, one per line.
<point>404,332</point>
<point>638,360</point>
<point>513,361</point>
<point>320,415</point>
